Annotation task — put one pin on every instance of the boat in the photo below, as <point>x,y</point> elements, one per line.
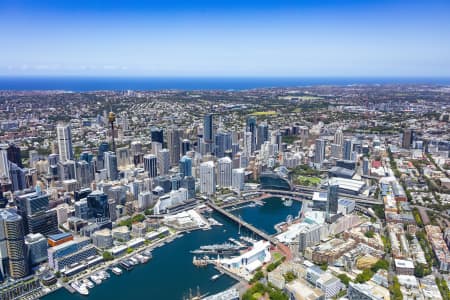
<point>224,249</point>
<point>105,274</point>
<point>96,279</point>
<point>134,261</point>
<point>116,270</point>
<point>126,265</point>
<point>147,253</point>
<point>215,277</point>
<point>142,259</point>
<point>80,288</point>
<point>87,283</point>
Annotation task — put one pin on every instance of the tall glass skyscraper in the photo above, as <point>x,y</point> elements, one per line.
<point>64,137</point>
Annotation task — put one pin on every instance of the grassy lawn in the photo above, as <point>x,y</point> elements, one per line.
<point>304,180</point>
<point>276,256</point>
<point>264,113</point>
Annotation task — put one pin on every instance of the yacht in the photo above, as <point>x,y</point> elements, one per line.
<point>95,278</point>
<point>117,270</point>
<point>87,283</point>
<point>80,288</point>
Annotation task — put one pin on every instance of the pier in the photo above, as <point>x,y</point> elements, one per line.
<point>238,220</point>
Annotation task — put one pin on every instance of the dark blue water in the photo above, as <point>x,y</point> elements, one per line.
<point>170,274</point>
<point>194,83</point>
<point>272,213</point>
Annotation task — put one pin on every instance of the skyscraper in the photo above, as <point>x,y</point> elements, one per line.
<point>332,198</point>
<point>185,166</point>
<point>262,135</point>
<point>185,146</point>
<point>151,165</point>
<point>157,135</point>
<point>14,155</point>
<point>407,138</point>
<point>319,154</point>
<point>111,166</point>
<point>347,149</point>
<point>251,127</point>
<point>224,168</point>
<point>338,137</point>
<point>238,179</point>
<point>12,244</point>
<point>174,144</point>
<point>208,128</point>
<point>4,164</point>
<point>64,137</point>
<point>98,206</point>
<point>164,161</point>
<point>207,178</point>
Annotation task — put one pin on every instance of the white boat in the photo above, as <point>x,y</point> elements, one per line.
<point>117,271</point>
<point>96,279</point>
<point>105,274</point>
<point>215,277</point>
<point>80,288</point>
<point>87,283</point>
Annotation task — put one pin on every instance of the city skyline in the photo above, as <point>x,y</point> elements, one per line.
<point>230,39</point>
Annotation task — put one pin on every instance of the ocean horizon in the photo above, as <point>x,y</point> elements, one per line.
<point>84,83</point>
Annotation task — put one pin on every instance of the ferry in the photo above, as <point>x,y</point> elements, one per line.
<point>80,288</point>
<point>116,270</point>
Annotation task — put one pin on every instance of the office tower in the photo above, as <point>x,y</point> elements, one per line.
<point>207,178</point>
<point>234,149</point>
<point>164,161</point>
<point>208,131</point>
<point>157,135</point>
<point>104,147</point>
<point>185,166</point>
<point>4,164</point>
<point>14,155</point>
<point>336,150</point>
<point>64,137</point>
<point>112,206</point>
<point>251,127</point>
<point>112,172</point>
<point>238,179</point>
<point>174,144</point>
<point>248,143</point>
<point>339,137</point>
<point>319,153</point>
<point>17,177</point>
<point>136,147</point>
<point>123,156</point>
<point>332,198</point>
<point>224,167</point>
<point>185,146</point>
<point>407,138</point>
<point>36,246</point>
<point>145,200</point>
<point>66,170</point>
<point>45,222</point>
<point>208,134</point>
<point>98,207</point>
<point>188,183</point>
<point>81,209</point>
<point>347,149</point>
<point>279,140</point>
<point>85,173</point>
<point>222,143</point>
<point>262,135</point>
<point>13,244</point>
<point>365,166</point>
<point>151,165</point>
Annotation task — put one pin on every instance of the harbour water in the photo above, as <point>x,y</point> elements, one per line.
<point>170,273</point>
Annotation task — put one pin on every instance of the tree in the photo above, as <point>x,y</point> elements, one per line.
<point>369,234</point>
<point>344,279</point>
<point>107,256</point>
<point>380,264</point>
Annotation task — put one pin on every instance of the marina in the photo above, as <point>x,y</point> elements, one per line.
<point>165,283</point>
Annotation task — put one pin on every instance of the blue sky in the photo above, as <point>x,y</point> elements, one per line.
<point>302,38</point>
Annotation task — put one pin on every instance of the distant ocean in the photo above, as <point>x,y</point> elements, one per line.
<point>80,84</point>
